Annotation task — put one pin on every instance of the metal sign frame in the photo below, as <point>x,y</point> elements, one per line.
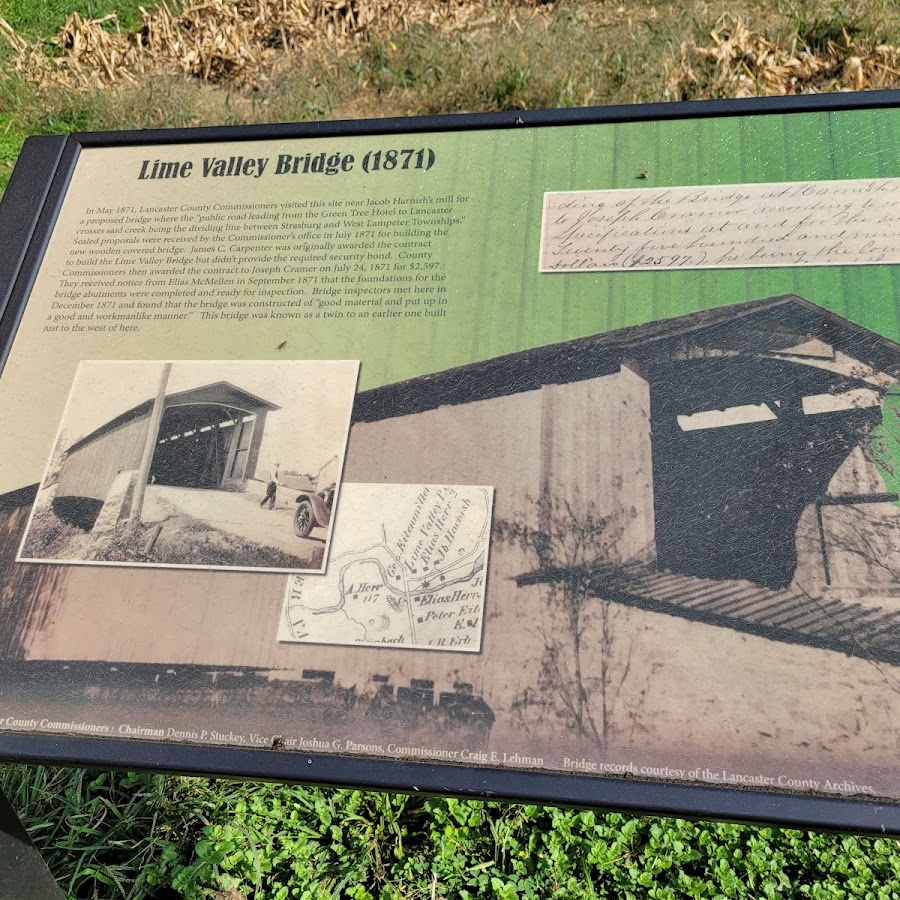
<point>27,218</point>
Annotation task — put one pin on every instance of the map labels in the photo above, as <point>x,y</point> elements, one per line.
<point>407,569</point>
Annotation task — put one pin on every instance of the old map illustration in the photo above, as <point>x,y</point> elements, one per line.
<point>407,569</point>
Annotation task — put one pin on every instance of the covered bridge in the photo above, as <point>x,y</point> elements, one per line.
<point>209,437</point>
<point>700,441</point>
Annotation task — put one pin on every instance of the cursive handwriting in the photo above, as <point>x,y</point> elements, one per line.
<point>808,223</point>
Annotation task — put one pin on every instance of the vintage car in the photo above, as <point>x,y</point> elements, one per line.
<point>313,509</point>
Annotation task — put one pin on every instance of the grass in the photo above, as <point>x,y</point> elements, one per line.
<point>577,53</point>
<point>187,541</point>
<point>145,836</point>
<point>49,536</point>
<point>39,19</point>
<point>139,836</point>
<point>183,541</point>
<point>100,832</point>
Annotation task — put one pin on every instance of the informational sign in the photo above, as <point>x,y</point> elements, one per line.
<point>550,457</point>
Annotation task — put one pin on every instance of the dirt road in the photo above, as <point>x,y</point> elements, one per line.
<point>234,513</point>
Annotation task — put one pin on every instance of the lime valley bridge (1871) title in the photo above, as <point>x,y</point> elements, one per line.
<point>409,158</point>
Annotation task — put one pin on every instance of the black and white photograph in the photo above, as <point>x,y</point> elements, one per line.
<point>212,465</point>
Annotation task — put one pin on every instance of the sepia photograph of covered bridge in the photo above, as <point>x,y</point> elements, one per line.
<point>189,475</point>
<point>208,437</point>
<point>736,458</point>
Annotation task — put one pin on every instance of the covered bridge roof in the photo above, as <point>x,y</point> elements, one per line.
<point>769,325</point>
<point>219,393</point>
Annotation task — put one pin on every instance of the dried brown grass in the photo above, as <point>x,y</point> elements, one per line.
<point>233,41</point>
<point>242,61</point>
<point>745,63</point>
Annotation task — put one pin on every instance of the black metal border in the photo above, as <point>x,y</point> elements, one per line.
<point>27,217</point>
<point>28,213</point>
<point>27,190</point>
<point>591,115</point>
<point>628,795</point>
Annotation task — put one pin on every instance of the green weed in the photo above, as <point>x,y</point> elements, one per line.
<point>99,832</point>
<point>36,19</point>
<point>816,28</point>
<point>112,835</point>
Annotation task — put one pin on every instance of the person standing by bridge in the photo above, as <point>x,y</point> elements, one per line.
<point>271,488</point>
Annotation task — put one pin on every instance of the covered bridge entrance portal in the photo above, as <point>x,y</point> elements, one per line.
<point>204,446</point>
<point>209,437</point>
<point>738,456</point>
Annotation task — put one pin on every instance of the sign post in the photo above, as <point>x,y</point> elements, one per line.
<point>23,873</point>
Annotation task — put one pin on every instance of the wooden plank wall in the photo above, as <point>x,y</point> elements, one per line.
<point>29,593</point>
<point>597,464</point>
<point>91,469</point>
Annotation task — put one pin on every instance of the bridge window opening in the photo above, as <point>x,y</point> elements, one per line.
<point>860,398</point>
<point>740,453</point>
<point>724,418</point>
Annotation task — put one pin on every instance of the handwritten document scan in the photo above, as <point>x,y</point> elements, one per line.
<point>810,223</point>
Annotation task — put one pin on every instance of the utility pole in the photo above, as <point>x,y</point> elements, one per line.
<point>137,503</point>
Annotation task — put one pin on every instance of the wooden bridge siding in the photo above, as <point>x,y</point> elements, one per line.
<point>596,460</point>
<point>781,615</point>
<point>91,469</point>
<point>224,618</point>
<point>214,618</point>
<point>28,592</point>
<point>493,442</point>
<point>230,619</point>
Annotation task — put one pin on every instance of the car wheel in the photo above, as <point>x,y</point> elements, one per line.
<point>304,519</point>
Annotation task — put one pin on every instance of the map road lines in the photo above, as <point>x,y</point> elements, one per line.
<point>407,570</point>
